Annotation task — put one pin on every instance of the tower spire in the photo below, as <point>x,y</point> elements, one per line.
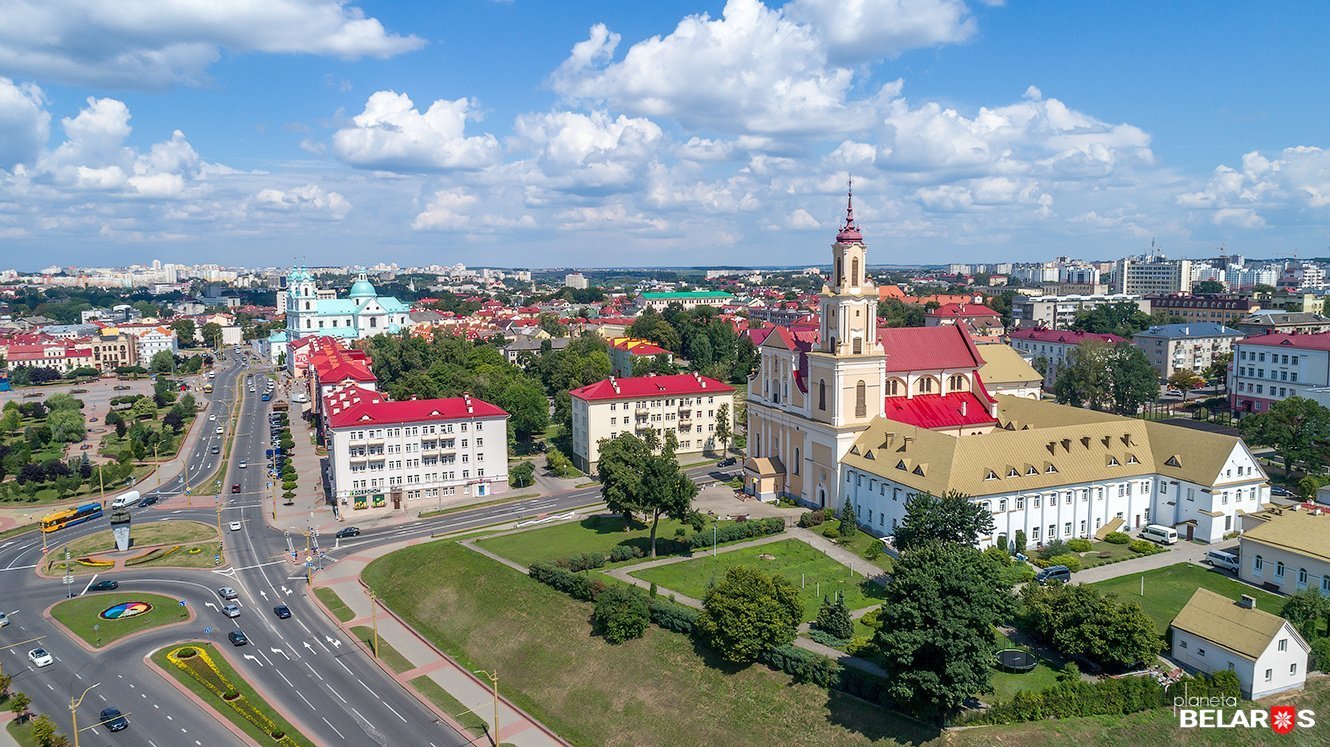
<point>849,233</point>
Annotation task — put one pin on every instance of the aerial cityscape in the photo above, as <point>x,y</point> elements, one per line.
<point>746,373</point>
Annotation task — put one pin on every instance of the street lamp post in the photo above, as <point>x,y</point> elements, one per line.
<point>494,684</point>
<point>374,619</point>
<point>73,713</point>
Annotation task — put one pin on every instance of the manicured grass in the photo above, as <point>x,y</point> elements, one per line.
<point>1115,552</point>
<point>169,532</point>
<point>1168,589</point>
<point>81,613</point>
<point>474,725</point>
<point>1155,727</point>
<point>798,562</point>
<point>241,685</point>
<point>860,543</point>
<point>334,604</point>
<point>662,689</point>
<point>22,733</point>
<point>20,529</point>
<point>183,558</point>
<point>597,533</point>
<point>390,656</point>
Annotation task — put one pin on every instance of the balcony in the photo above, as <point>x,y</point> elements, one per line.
<point>642,425</point>
<point>686,415</point>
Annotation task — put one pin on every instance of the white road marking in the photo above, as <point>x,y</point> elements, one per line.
<point>334,692</point>
<point>330,726</point>
<point>316,674</point>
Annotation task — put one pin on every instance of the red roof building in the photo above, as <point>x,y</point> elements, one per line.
<point>981,321</point>
<point>637,387</point>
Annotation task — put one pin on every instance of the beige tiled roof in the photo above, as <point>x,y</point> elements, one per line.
<point>1046,446</point>
<point>1215,617</point>
<point>1003,365</point>
<point>1297,531</point>
<point>765,466</point>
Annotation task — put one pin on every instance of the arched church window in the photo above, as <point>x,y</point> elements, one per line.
<point>821,394</point>
<point>854,271</point>
<point>839,278</point>
<point>860,399</point>
<point>957,383</point>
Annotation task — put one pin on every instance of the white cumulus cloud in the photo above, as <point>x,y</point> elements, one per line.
<point>309,199</point>
<point>24,121</point>
<point>856,31</point>
<point>392,135</point>
<point>590,152</point>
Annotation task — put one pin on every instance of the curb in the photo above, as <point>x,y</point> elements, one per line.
<point>46,613</point>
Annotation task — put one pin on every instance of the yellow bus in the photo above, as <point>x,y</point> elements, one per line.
<point>71,516</point>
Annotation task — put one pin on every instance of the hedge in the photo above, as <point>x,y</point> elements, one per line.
<point>671,615</point>
<point>811,518</point>
<point>1117,538</point>
<point>582,561</point>
<point>1104,697</point>
<point>739,530</point>
<point>574,585</point>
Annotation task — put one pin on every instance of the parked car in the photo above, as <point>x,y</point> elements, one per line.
<point>1281,491</point>
<point>121,387</point>
<point>237,638</point>
<point>1221,559</point>
<point>345,532</point>
<point>1160,533</point>
<point>113,720</point>
<point>105,585</point>
<point>226,592</point>
<point>727,462</point>
<point>1052,573</point>
<point>40,657</point>
<point>282,611</point>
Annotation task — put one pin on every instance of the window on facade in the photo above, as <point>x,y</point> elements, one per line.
<point>860,400</point>
<point>1279,569</point>
<point>796,460</point>
<point>1283,644</point>
<point>821,394</point>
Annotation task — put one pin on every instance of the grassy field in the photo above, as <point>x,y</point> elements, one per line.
<point>598,533</point>
<point>860,543</point>
<point>661,689</point>
<point>183,558</point>
<point>1168,589</point>
<point>390,656</point>
<point>81,613</point>
<point>473,724</point>
<point>798,562</point>
<point>241,685</point>
<point>1092,559</point>
<point>169,532</point>
<point>335,604</point>
<point>1157,727</point>
<point>22,733</point>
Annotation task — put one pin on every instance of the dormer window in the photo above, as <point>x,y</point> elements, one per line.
<point>1113,462</point>
<point>1013,473</point>
<point>1051,469</point>
<point>990,475</point>
<point>1031,471</point>
<point>1131,459</point>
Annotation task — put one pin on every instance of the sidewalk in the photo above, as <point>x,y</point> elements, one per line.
<point>516,727</point>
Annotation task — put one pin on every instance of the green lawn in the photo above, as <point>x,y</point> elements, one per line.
<point>81,613</point>
<point>797,561</point>
<point>660,690</point>
<point>169,532</point>
<point>334,604</point>
<point>1114,552</point>
<point>1168,589</point>
<point>22,733</point>
<point>860,543</point>
<point>598,533</point>
<point>390,656</point>
<point>474,724</point>
<point>241,685</point>
<point>1007,684</point>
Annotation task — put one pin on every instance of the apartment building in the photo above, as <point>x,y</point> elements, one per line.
<point>686,299</point>
<point>1057,311</point>
<point>1185,347</point>
<point>1267,321</point>
<point>684,404</point>
<point>1054,346</point>
<point>413,454</point>
<point>1273,367</point>
<point>625,351</point>
<point>1220,309</point>
<point>1151,275</point>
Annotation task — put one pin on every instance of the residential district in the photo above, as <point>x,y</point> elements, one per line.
<point>442,505</point>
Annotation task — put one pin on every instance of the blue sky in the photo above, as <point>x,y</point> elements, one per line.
<point>595,133</point>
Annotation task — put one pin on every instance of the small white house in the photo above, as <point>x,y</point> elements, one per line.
<point>1213,633</point>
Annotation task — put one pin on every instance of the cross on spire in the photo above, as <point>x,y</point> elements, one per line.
<point>849,233</point>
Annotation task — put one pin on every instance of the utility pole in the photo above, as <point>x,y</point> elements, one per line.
<point>374,619</point>
<point>69,577</point>
<point>73,713</point>
<point>493,677</point>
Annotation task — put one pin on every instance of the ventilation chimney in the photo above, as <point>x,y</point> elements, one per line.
<point>1247,602</point>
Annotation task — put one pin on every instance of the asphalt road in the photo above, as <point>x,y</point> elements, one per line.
<point>323,681</point>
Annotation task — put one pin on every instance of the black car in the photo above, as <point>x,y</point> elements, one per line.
<point>237,638</point>
<point>727,462</point>
<point>112,720</point>
<point>107,585</point>
<point>282,611</point>
<point>148,500</point>
<point>1281,491</point>
<point>348,532</point>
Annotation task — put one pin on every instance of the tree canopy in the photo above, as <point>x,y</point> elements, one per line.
<point>1298,429</point>
<point>1081,620</point>
<point>952,517</point>
<point>1106,376</point>
<point>749,612</point>
<point>635,480</point>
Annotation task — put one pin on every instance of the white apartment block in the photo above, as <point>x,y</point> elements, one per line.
<point>1274,367</point>
<point>1185,347</point>
<point>1057,312</point>
<point>1152,275</point>
<point>411,454</point>
<point>684,404</point>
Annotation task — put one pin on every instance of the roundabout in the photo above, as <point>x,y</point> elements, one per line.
<point>101,620</point>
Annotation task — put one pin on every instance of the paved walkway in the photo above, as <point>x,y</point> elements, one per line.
<point>516,726</point>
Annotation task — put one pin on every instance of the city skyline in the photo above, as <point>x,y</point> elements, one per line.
<point>679,134</point>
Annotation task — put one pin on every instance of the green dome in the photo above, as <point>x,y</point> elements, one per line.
<point>363,289</point>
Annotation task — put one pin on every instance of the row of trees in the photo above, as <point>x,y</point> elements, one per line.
<point>709,343</point>
<point>1123,319</point>
<point>1106,376</point>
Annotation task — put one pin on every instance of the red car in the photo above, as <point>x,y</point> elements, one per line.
<point>235,487</point>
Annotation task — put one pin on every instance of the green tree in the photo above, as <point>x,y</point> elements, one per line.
<point>143,408</point>
<point>936,638</point>
<point>184,331</point>
<point>621,614</point>
<point>1306,610</point>
<point>953,517</point>
<point>212,335</point>
<point>897,313</point>
<point>1081,620</point>
<point>723,433</point>
<point>66,426</point>
<point>1217,371</point>
<point>528,411</point>
<point>834,618</point>
<point>1296,428</point>
<point>749,612</point>
<point>849,523</point>
<point>18,705</point>
<point>619,472</point>
<point>63,401</point>
<point>1208,287</point>
<point>1185,380</point>
<point>46,734</point>
<point>1107,376</point>
<point>162,361</point>
<point>10,420</point>
<point>1123,319</point>
<point>522,474</point>
<point>551,325</point>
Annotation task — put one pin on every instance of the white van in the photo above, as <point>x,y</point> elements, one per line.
<point>1159,533</point>
<point>126,499</point>
<point>1222,559</point>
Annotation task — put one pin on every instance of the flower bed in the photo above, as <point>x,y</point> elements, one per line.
<point>198,663</point>
<point>145,557</point>
<point>91,563</point>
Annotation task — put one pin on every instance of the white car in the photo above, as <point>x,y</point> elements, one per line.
<point>242,465</point>
<point>235,526</point>
<point>40,657</point>
<point>212,417</point>
<point>4,619</point>
<point>219,430</point>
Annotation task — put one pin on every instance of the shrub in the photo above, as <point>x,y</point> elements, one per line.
<point>834,619</point>
<point>830,531</point>
<point>1000,557</point>
<point>739,530</point>
<point>1320,658</point>
<point>1056,547</point>
<point>874,551</point>
<point>671,615</point>
<point>231,694</point>
<point>582,561</point>
<point>1117,538</point>
<point>827,639</point>
<point>185,653</point>
<point>803,666</point>
<point>1018,543</point>
<point>1002,543</point>
<point>1079,545</point>
<point>622,614</point>
<point>872,618</point>
<point>1073,562</point>
<point>697,520</point>
<point>861,646</point>
<point>621,553</point>
<point>574,585</point>
<point>1144,547</point>
<point>812,518</point>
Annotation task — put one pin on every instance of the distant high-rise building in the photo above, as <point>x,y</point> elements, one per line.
<point>575,280</point>
<point>1142,276</point>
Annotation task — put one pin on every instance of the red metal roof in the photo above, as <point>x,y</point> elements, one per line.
<point>1066,337</point>
<point>636,387</point>
<point>928,348</point>
<point>963,310</point>
<point>939,411</point>
<point>1318,341</point>
<point>354,406</point>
